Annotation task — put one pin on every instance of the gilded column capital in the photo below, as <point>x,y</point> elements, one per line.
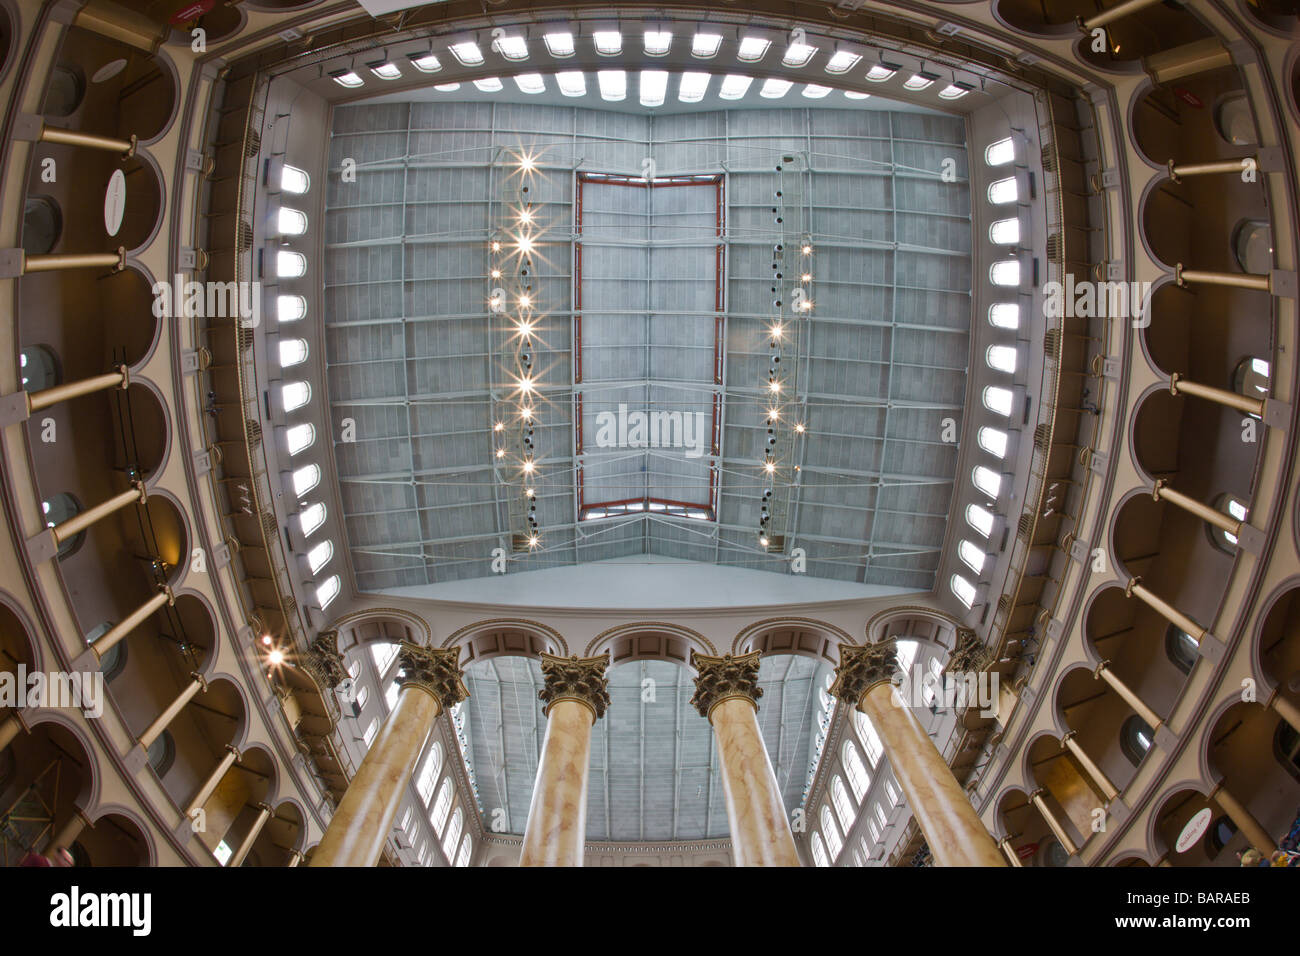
<point>723,678</point>
<point>323,660</point>
<point>970,654</point>
<point>575,678</point>
<point>434,670</point>
<point>861,667</point>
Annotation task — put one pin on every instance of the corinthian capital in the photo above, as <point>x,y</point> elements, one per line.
<point>575,678</point>
<point>323,660</point>
<point>860,667</point>
<point>721,678</point>
<point>970,655</point>
<point>433,669</point>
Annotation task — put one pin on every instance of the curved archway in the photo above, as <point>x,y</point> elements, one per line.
<point>650,640</point>
<point>507,636</point>
<point>117,837</point>
<point>140,97</point>
<point>795,635</point>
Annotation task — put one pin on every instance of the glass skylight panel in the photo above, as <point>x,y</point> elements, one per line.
<point>347,78</point>
<point>294,180</point>
<point>815,92</point>
<point>572,83</point>
<point>467,53</point>
<point>855,95</point>
<point>657,42</point>
<point>734,87</point>
<point>997,400</point>
<point>1004,315</point>
<point>386,71</point>
<point>425,62</point>
<point>446,87</point>
<point>291,222</point>
<point>981,519</point>
<point>1003,191</point>
<point>559,44</point>
<point>613,85</point>
<point>954,91</point>
<point>798,54</point>
<point>290,265</point>
<point>987,480</point>
<point>1000,153</point>
<point>693,87</point>
<point>608,42</point>
<point>880,72</point>
<point>993,441</point>
<point>753,48</point>
<point>1005,232</point>
<point>972,555</point>
<point>512,48</point>
<point>489,84</point>
<point>654,87</point>
<point>919,81</point>
<point>530,83</point>
<point>842,62</point>
<point>705,45</point>
<point>775,88</point>
<point>1005,273</point>
<point>1001,358</point>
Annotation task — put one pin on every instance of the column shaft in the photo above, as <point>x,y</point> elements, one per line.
<point>1166,610</point>
<point>1133,700</point>
<point>1012,856</point>
<point>80,522</point>
<point>1220,396</point>
<point>360,826</point>
<point>1285,709</point>
<point>1053,824</point>
<point>1245,821</point>
<point>109,640</point>
<point>213,780</point>
<point>952,828</point>
<point>246,845</point>
<point>86,386</point>
<point>556,831</point>
<point>9,729</point>
<point>1115,13</point>
<point>1108,789</point>
<point>68,833</point>
<point>167,716</point>
<point>1203,511</point>
<point>760,832</point>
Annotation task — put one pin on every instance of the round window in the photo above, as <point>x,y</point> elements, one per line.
<point>42,225</point>
<point>1233,121</point>
<point>1252,247</point>
<point>65,92</point>
<point>39,368</point>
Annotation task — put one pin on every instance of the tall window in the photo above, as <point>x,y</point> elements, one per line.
<point>305,479</point>
<point>453,833</point>
<point>292,352</point>
<point>462,855</point>
<point>981,519</point>
<point>383,653</point>
<point>964,590</point>
<point>870,739</point>
<point>328,591</point>
<point>859,780</point>
<point>441,806</point>
<point>972,556</point>
<point>833,841</point>
<point>428,778</point>
<point>311,518</point>
<point>320,555</point>
<point>819,850</point>
<point>300,437</point>
<point>294,180</point>
<point>843,808</point>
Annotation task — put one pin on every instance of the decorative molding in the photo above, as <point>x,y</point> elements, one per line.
<point>575,678</point>
<point>775,622</point>
<point>354,618</point>
<point>970,655</point>
<point>434,670</point>
<point>861,667</point>
<point>677,630</point>
<point>723,678</point>
<point>471,630</point>
<point>323,660</point>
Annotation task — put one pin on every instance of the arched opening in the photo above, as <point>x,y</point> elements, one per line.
<point>115,100</point>
<point>51,776</point>
<point>113,840</point>
<point>201,732</point>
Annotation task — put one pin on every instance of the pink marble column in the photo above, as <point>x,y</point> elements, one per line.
<point>431,681</point>
<point>576,697</point>
<point>727,692</point>
<point>952,828</point>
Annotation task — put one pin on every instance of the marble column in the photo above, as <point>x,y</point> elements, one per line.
<point>1013,858</point>
<point>214,779</point>
<point>431,680</point>
<point>952,828</point>
<point>246,845</point>
<point>67,834</point>
<point>726,693</point>
<point>1280,705</point>
<point>1252,829</point>
<point>1108,790</point>
<point>576,696</point>
<point>10,727</point>
<point>155,730</point>
<point>1055,825</point>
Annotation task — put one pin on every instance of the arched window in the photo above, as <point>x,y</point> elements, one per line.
<point>453,833</point>
<point>441,806</point>
<point>467,52</point>
<point>57,510</point>
<point>1000,153</point>
<point>972,555</point>
<point>1001,358</point>
<point>294,180</point>
<point>161,753</point>
<point>1234,507</point>
<point>382,653</point>
<point>859,779</point>
<point>291,222</point>
<point>843,808</point>
<point>290,308</point>
<point>328,591</point>
<point>295,395</point>
<point>462,855</point>
<point>1252,246</point>
<point>964,590</point>
<point>906,653</point>
<point>1005,272</point>
<point>305,479</point>
<point>987,480</point>
<point>981,519</point>
<point>1252,378</point>
<point>1181,648</point>
<point>290,265</point>
<point>428,777</point>
<point>39,367</point>
<point>998,400</point>
<point>798,54</point>
<point>371,730</point>
<point>292,352</point>
<point>311,518</point>
<point>993,441</point>
<point>1135,737</point>
<point>833,841</point>
<point>1004,232</point>
<point>870,739</point>
<point>818,851</point>
<point>300,437</point>
<point>320,555</point>
<point>1004,315</point>
<point>114,662</point>
<point>1003,191</point>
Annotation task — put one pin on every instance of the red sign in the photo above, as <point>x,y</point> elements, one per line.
<point>191,12</point>
<point>1026,851</point>
<point>1188,97</point>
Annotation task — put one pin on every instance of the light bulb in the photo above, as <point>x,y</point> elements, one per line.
<point>769,467</point>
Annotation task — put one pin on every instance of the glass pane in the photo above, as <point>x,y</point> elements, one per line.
<point>1000,153</point>
<point>294,180</point>
<point>997,399</point>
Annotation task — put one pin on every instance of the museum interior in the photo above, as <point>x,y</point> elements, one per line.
<point>349,524</point>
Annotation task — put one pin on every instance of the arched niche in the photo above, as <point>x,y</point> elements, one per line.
<point>649,640</point>
<point>792,636</point>
<point>116,838</point>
